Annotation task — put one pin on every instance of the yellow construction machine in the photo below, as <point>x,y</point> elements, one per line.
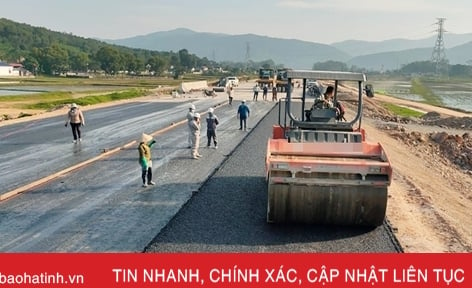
<point>267,76</point>
<point>321,170</point>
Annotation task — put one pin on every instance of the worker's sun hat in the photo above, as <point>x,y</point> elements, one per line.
<point>146,138</point>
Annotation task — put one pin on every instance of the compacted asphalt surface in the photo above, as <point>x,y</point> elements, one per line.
<point>228,214</point>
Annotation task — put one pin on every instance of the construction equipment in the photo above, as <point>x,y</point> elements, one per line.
<point>267,76</point>
<point>282,80</point>
<point>320,170</point>
<point>273,77</point>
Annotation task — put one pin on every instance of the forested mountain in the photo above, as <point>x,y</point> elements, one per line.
<point>391,60</point>
<point>291,53</point>
<point>382,55</point>
<point>47,52</point>
<point>360,48</point>
<point>459,55</point>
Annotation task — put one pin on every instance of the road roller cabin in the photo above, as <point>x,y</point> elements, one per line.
<point>321,170</point>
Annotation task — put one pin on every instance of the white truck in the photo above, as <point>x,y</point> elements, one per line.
<point>232,80</point>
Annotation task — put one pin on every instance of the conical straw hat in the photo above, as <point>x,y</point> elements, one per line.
<point>146,138</point>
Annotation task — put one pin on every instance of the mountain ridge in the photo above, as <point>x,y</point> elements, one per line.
<point>225,47</point>
<point>299,54</point>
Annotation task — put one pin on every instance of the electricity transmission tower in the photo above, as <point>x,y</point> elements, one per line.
<point>439,52</point>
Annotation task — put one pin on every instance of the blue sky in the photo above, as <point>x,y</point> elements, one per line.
<point>322,21</point>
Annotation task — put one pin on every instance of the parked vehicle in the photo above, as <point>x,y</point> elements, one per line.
<point>232,80</point>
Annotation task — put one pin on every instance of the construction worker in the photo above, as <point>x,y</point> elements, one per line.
<point>230,95</point>
<point>243,114</point>
<point>76,119</point>
<point>195,126</point>
<point>326,100</point>
<point>145,159</point>
<point>212,122</point>
<point>191,111</point>
<point>265,89</point>
<point>274,93</point>
<point>256,90</point>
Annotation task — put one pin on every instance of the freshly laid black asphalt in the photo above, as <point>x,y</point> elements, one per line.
<point>228,214</point>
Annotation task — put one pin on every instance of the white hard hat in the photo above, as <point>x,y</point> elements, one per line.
<point>196,115</point>
<point>191,107</point>
<point>73,105</point>
<point>210,110</point>
<point>244,101</point>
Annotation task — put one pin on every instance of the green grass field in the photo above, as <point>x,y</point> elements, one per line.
<point>87,100</point>
<point>402,111</point>
<point>95,90</point>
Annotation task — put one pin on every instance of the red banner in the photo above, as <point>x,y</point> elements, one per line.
<point>235,270</point>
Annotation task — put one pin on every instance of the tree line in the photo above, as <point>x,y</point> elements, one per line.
<point>42,51</point>
<point>45,52</point>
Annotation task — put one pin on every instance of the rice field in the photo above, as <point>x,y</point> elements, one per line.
<point>448,93</point>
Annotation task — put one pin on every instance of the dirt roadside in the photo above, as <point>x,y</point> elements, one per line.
<point>430,198</point>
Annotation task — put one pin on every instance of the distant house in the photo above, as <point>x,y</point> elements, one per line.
<point>6,69</point>
<point>13,70</point>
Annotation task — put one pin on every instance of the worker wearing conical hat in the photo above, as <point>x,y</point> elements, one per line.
<point>145,159</point>
<point>76,119</point>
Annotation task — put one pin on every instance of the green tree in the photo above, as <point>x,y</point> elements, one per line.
<point>460,70</point>
<point>53,59</point>
<point>31,64</point>
<point>130,62</point>
<point>158,64</point>
<point>185,59</point>
<point>174,60</point>
<point>109,59</point>
<point>418,67</point>
<point>79,61</point>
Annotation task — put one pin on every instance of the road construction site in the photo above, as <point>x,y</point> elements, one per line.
<point>87,197</point>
